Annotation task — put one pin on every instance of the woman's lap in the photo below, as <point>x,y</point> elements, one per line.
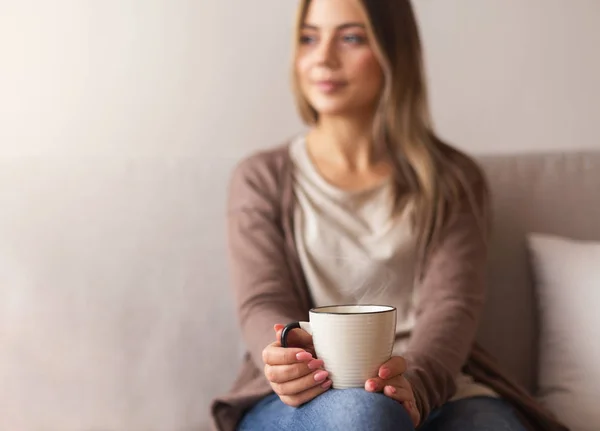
<point>356,409</point>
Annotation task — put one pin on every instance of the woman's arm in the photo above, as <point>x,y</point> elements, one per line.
<point>263,288</point>
<point>451,298</point>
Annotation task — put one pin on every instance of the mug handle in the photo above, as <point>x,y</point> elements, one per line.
<point>294,325</point>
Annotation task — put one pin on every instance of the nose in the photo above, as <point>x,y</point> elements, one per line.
<point>326,53</point>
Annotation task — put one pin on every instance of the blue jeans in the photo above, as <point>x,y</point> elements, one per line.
<point>359,410</point>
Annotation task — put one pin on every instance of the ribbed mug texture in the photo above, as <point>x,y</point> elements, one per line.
<point>353,346</point>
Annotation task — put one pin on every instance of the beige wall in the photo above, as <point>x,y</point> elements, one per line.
<point>191,77</point>
<point>514,75</point>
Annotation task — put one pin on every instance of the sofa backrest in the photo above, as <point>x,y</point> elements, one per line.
<point>550,193</point>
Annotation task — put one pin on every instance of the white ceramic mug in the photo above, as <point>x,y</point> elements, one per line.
<point>352,340</point>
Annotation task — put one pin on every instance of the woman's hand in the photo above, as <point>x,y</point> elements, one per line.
<point>294,373</point>
<point>392,383</point>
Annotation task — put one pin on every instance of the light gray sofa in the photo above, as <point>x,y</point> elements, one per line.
<point>115,310</point>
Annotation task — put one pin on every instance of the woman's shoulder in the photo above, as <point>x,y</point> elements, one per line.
<point>471,192</point>
<point>465,162</point>
<point>467,168</point>
<point>260,174</point>
<point>267,161</point>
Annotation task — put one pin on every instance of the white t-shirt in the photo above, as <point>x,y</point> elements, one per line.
<point>353,251</point>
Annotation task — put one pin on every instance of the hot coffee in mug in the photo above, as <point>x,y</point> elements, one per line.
<point>352,340</point>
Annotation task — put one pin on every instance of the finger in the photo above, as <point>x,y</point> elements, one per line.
<point>278,327</point>
<point>401,388</point>
<point>274,354</point>
<point>309,394</point>
<point>399,394</point>
<point>394,367</point>
<point>286,373</point>
<point>377,384</point>
<point>295,387</point>
<point>299,338</point>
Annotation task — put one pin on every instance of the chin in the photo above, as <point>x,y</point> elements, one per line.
<point>331,107</point>
<point>338,106</point>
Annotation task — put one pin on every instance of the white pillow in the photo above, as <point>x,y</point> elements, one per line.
<point>567,274</point>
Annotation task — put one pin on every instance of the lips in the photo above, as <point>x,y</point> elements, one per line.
<point>329,86</point>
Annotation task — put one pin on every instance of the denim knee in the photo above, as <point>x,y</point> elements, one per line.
<point>357,409</point>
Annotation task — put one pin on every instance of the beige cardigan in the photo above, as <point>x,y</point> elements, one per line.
<point>270,288</point>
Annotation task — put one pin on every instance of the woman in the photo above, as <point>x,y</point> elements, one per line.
<point>367,206</point>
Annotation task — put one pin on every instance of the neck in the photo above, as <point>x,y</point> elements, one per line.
<point>346,142</point>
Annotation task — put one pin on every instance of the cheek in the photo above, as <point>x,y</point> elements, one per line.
<point>366,67</point>
<point>302,67</point>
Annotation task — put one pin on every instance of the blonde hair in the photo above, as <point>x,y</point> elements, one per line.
<point>436,177</point>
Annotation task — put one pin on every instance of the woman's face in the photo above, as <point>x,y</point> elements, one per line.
<point>337,69</point>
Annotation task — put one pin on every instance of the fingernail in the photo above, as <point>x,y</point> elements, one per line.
<point>384,373</point>
<point>391,389</point>
<point>327,384</point>
<point>315,364</point>
<point>371,385</point>
<point>320,376</point>
<point>304,356</point>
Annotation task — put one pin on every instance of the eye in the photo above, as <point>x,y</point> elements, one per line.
<point>354,39</point>
<point>307,40</point>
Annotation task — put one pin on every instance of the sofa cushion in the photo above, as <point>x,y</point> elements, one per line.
<point>550,193</point>
<point>567,275</point>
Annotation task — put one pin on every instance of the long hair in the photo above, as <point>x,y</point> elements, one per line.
<point>437,178</point>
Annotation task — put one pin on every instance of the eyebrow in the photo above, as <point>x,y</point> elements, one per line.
<point>339,27</point>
